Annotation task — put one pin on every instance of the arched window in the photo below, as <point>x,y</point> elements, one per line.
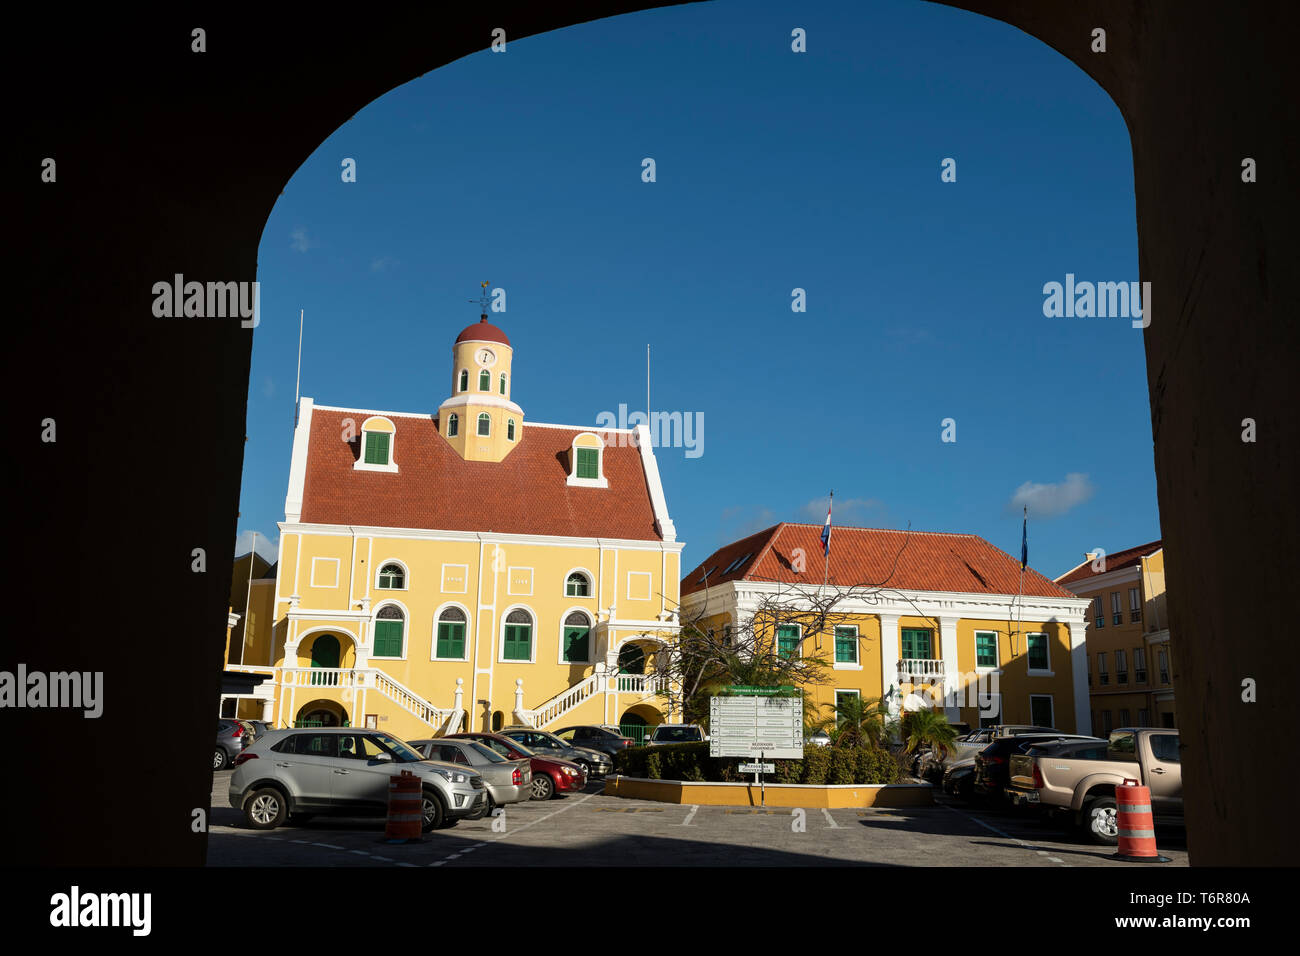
<point>503,383</point>
<point>485,381</point>
<point>498,721</point>
<point>485,424</point>
<point>577,585</point>
<point>510,429</point>
<point>577,638</point>
<point>519,636</point>
<point>453,425</point>
<point>390,624</point>
<point>451,634</point>
<point>392,576</point>
<point>464,380</point>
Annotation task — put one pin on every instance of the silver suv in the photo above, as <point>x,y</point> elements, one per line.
<point>294,774</point>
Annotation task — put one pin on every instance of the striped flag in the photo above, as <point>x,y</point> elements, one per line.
<point>826,529</point>
<point>1024,542</point>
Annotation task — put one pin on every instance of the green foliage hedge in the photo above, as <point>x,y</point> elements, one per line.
<point>820,765</point>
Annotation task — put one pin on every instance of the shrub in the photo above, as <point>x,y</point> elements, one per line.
<point>816,765</point>
<point>843,766</point>
<point>653,770</point>
<point>820,765</point>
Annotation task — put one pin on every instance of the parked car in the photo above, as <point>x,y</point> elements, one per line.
<point>992,763</point>
<point>608,742</point>
<point>959,777</point>
<point>593,762</point>
<point>506,781</point>
<point>551,775</point>
<point>295,774</point>
<point>819,739</point>
<point>232,736</point>
<point>1080,784</point>
<point>260,728</point>
<point>676,734</point>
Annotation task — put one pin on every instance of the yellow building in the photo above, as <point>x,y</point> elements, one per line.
<point>953,614</point>
<point>1130,674</point>
<point>465,569</point>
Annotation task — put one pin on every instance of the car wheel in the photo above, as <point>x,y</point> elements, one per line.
<point>219,759</point>
<point>543,788</point>
<point>586,768</point>
<point>265,809</point>
<point>431,811</point>
<point>1101,820</point>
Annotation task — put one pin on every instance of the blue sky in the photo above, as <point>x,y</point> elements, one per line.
<point>775,170</point>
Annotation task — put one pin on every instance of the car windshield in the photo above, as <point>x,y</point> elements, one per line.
<point>487,752</point>
<point>677,733</point>
<point>403,753</point>
<point>501,748</point>
<point>554,741</point>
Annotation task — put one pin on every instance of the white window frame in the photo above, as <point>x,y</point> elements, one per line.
<point>856,663</point>
<point>591,585</point>
<point>776,639</point>
<point>360,464</point>
<point>469,628</point>
<point>995,668</point>
<point>591,635</point>
<point>1038,671</point>
<point>844,690</point>
<point>600,481</point>
<point>406,575</point>
<point>477,420</point>
<point>320,562</point>
<point>501,635</point>
<point>1051,703</point>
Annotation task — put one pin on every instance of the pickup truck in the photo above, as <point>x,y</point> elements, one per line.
<point>1080,781</point>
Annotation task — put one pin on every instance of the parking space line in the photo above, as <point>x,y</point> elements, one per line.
<point>687,822</point>
<point>831,820</point>
<point>1002,833</point>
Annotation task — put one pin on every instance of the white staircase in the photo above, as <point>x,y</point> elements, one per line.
<point>371,678</point>
<point>565,701</point>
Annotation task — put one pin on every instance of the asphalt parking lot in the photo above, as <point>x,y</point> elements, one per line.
<point>590,829</point>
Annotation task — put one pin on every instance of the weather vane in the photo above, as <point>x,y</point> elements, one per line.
<point>483,300</point>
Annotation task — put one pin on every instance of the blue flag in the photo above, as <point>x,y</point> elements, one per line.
<point>826,531</point>
<point>1024,542</point>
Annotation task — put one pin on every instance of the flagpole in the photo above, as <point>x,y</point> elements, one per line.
<point>1024,559</point>
<point>826,551</point>
<point>298,382</point>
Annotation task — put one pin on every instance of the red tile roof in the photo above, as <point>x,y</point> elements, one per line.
<point>482,329</point>
<point>1123,559</point>
<point>916,560</point>
<point>435,489</point>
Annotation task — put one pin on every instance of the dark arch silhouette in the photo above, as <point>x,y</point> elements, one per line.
<point>170,162</point>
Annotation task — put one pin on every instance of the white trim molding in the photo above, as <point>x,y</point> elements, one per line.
<point>298,462</point>
<point>663,523</point>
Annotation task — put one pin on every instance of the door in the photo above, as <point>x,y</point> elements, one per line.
<point>1165,778</point>
<point>324,653</point>
<point>360,773</point>
<point>305,764</point>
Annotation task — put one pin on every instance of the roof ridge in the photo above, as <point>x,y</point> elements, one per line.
<point>854,527</point>
<point>776,530</point>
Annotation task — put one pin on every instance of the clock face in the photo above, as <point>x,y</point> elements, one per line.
<point>485,357</point>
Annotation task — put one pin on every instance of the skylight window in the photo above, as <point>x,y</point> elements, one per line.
<point>738,563</point>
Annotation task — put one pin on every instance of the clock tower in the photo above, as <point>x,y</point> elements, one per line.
<point>479,420</point>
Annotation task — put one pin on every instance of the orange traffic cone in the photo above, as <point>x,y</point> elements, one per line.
<point>1137,828</point>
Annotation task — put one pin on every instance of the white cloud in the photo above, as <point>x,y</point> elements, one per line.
<point>1050,500</point>
<point>267,548</point>
<point>847,511</point>
<point>742,521</point>
<point>384,264</point>
<point>301,241</point>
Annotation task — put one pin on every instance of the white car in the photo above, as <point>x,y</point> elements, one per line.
<point>677,734</point>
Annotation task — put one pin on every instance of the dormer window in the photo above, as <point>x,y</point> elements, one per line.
<point>377,435</point>
<point>485,381</point>
<point>484,425</point>
<point>503,383</point>
<point>586,458</point>
<point>453,425</point>
<point>464,380</point>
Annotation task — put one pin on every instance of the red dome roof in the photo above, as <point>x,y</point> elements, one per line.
<point>482,330</point>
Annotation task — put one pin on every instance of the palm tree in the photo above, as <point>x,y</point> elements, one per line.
<point>854,721</point>
<point>928,729</point>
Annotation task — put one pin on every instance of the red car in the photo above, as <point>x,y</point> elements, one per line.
<point>551,775</point>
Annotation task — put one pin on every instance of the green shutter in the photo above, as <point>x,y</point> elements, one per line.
<point>588,463</point>
<point>986,650</point>
<point>451,640</point>
<point>503,383</point>
<point>787,640</point>
<point>846,645</point>
<point>916,644</point>
<point>376,448</point>
<point>388,639</point>
<point>576,643</point>
<point>485,381</point>
<point>1038,651</point>
<point>518,642</point>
